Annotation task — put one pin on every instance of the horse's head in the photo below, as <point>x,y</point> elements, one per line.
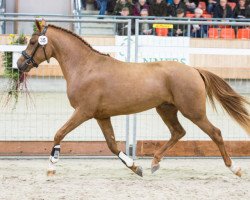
<point>38,50</point>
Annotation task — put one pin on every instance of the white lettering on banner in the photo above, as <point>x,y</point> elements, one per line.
<point>154,48</point>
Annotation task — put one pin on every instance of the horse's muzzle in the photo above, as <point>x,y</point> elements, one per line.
<point>24,66</point>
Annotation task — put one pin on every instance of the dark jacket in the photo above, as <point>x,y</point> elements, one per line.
<point>196,2</point>
<point>110,6</point>
<point>174,7</point>
<point>159,9</point>
<point>119,6</point>
<point>247,12</point>
<point>137,8</point>
<point>247,3</point>
<point>233,1</point>
<point>219,12</point>
<point>237,12</point>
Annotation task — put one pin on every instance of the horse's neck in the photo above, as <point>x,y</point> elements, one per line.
<point>70,52</point>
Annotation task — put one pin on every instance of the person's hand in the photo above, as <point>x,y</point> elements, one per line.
<point>211,1</point>
<point>179,31</point>
<point>192,5</point>
<point>147,32</point>
<point>196,27</point>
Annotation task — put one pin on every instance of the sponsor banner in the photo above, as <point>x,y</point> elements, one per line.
<point>155,48</point>
<point>163,26</point>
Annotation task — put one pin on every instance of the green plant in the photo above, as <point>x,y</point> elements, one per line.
<point>34,28</point>
<point>14,75</point>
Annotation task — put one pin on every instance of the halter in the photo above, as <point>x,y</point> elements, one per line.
<point>30,59</point>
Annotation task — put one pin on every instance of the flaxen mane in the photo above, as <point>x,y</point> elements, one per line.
<point>80,38</point>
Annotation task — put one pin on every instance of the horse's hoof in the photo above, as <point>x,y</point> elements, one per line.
<point>235,169</point>
<point>139,171</point>
<point>155,167</point>
<point>51,172</point>
<point>239,173</point>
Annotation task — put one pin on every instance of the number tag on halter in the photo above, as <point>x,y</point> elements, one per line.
<point>43,40</point>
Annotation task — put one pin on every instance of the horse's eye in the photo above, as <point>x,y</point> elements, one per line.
<point>32,42</point>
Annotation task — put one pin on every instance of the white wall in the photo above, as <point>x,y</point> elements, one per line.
<point>39,7</point>
<point>45,6</point>
<point>10,8</point>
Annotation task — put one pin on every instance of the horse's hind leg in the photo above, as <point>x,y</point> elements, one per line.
<point>215,134</point>
<point>107,129</point>
<point>168,113</point>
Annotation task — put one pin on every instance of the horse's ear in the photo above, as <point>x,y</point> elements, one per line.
<point>38,25</point>
<point>43,23</point>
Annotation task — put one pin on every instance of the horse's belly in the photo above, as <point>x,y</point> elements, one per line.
<point>128,106</point>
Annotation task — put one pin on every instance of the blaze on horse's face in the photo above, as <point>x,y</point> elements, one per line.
<point>35,53</point>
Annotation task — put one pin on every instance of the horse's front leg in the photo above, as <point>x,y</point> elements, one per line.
<point>76,119</point>
<point>107,129</point>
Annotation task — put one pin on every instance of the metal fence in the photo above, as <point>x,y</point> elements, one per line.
<point>151,48</point>
<point>51,108</point>
<point>9,26</point>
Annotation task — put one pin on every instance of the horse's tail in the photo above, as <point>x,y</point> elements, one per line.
<point>232,102</point>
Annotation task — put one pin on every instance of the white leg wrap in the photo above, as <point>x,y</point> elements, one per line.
<point>127,160</point>
<point>51,166</point>
<point>54,157</point>
<point>234,168</point>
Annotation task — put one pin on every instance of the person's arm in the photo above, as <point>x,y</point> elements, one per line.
<point>173,30</point>
<point>146,6</point>
<point>130,7</point>
<point>184,30</point>
<point>152,29</point>
<point>151,10</point>
<point>230,12</point>
<point>205,29</point>
<point>164,10</point>
<point>196,2</point>
<point>247,3</point>
<point>235,12</point>
<point>135,12</point>
<point>116,9</point>
<point>247,12</point>
<point>184,7</point>
<point>216,12</point>
<point>169,10</point>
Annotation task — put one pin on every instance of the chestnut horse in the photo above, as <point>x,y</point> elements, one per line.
<point>99,86</point>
